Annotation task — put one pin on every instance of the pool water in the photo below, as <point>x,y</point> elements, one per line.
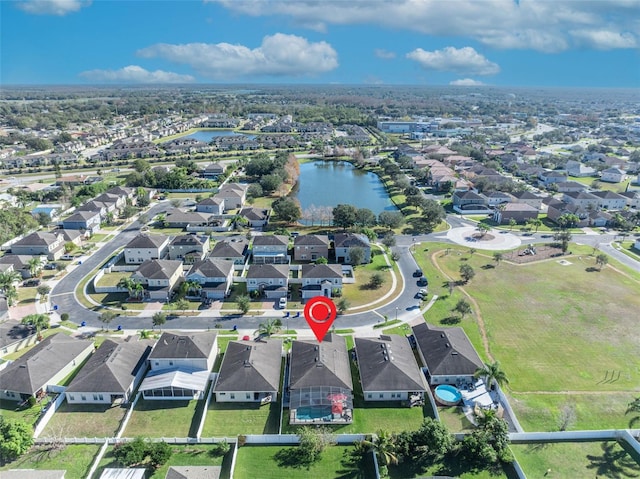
<point>313,412</point>
<point>448,394</point>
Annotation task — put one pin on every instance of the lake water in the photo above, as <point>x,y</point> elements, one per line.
<point>330,183</point>
<point>208,135</point>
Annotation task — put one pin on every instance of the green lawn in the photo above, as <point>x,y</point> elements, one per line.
<point>584,459</point>
<point>455,419</point>
<point>164,418</point>
<point>452,467</point>
<point>229,419</point>
<point>274,462</point>
<point>87,420</point>
<point>183,455</point>
<point>27,294</point>
<point>75,459</point>
<point>602,185</point>
<point>359,293</point>
<point>112,279</point>
<point>9,410</point>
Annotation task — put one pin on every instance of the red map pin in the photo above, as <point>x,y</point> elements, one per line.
<point>320,313</point>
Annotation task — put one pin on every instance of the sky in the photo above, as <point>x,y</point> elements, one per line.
<point>566,43</point>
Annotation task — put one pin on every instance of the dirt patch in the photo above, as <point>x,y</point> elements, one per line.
<point>523,255</point>
<point>483,237</point>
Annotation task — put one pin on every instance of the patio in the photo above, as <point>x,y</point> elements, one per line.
<point>476,398</point>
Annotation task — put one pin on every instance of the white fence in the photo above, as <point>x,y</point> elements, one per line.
<point>294,439</point>
<point>106,289</point>
<point>53,406</point>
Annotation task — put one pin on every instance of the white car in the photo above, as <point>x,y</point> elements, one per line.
<point>282,303</point>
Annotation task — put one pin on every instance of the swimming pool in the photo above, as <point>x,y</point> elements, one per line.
<point>308,413</point>
<point>448,395</point>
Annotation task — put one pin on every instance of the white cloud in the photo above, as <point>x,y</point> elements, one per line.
<point>605,39</point>
<point>278,55</point>
<point>51,7</point>
<point>136,74</point>
<point>466,82</point>
<point>451,59</point>
<point>506,24</point>
<point>384,54</point>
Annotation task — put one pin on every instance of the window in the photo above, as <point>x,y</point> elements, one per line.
<point>369,396</point>
<point>72,397</point>
<point>95,397</point>
<point>381,395</point>
<point>232,395</point>
<point>247,396</point>
<point>101,397</point>
<point>83,397</point>
<point>170,363</point>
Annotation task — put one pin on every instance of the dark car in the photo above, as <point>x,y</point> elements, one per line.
<point>31,282</point>
<point>417,273</point>
<point>423,281</point>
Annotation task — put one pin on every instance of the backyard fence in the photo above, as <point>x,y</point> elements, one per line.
<point>294,439</point>
<point>106,289</point>
<point>52,407</point>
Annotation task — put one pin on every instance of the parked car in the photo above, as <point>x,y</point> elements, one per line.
<point>50,266</point>
<point>422,294</point>
<point>31,282</point>
<point>423,281</point>
<point>282,303</point>
<point>417,273</point>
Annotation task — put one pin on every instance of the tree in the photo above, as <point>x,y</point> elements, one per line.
<point>602,260</point>
<point>433,438</point>
<point>159,453</point>
<point>344,216</point>
<point>512,223</point>
<point>391,219</point>
<point>16,437</point>
<point>497,257</point>
<point>313,441</point>
<point>181,305</point>
<point>141,165</point>
<point>634,408</point>
<point>176,202</point>
<point>568,220</point>
<point>463,308</point>
<point>43,289</point>
<point>131,453</point>
<point>35,266</point>
<point>107,316</point>
<point>365,217</point>
<point>268,328</point>
<point>384,445</point>
<point>564,237</point>
<point>343,305</point>
<point>483,228</point>
<point>69,246</point>
<point>270,183</point>
<point>37,321</point>
<point>287,209</point>
<point>472,251</point>
<point>322,260</point>
<point>11,295</point>
<point>492,372</point>
<point>536,223</point>
<point>376,281</point>
<point>467,272</point>
<point>128,211</point>
<point>432,213</point>
<point>389,240</point>
<point>356,256</point>
<point>134,287</point>
<point>159,318</point>
<point>43,219</point>
<point>8,279</point>
<point>487,445</point>
<point>244,303</point>
<point>254,191</point>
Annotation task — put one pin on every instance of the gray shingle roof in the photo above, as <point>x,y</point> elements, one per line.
<point>39,238</point>
<point>321,271</point>
<point>320,364</point>
<point>447,351</point>
<point>158,268</point>
<point>259,271</point>
<point>147,241</point>
<point>194,345</point>
<point>112,367</point>
<point>311,240</point>
<point>270,240</point>
<point>349,240</point>
<point>251,366</point>
<point>229,249</point>
<point>257,214</point>
<point>36,367</point>
<point>211,268</point>
<point>187,240</point>
<point>388,364</point>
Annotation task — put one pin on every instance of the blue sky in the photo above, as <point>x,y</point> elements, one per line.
<point>586,43</point>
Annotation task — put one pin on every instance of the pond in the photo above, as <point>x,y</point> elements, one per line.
<point>330,183</point>
<point>208,135</point>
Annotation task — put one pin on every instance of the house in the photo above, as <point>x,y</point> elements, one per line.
<point>310,247</point>
<point>83,221</point>
<point>71,236</point>
<point>72,180</point>
<point>46,364</point>
<point>51,211</point>
<point>497,198</point>
<point>321,280</point>
<point>570,186</point>
<point>250,372</point>
<point>40,243</point>
<point>212,171</point>
<point>214,206</point>
<point>527,198</point>
<point>34,474</point>
<point>194,472</point>
<point>343,243</point>
<point>556,209</point>
<point>547,178</point>
<point>14,335</point>
<point>146,247</point>
<point>181,219</point>
<point>610,200</point>
<point>633,198</point>
<point>256,217</point>
<point>180,366</point>
<point>123,473</point>
<point>189,248</point>
<point>581,198</point>
<point>388,369</point>
<point>320,384</point>
<point>125,192</point>
<point>233,194</point>
<point>159,276</point>
<point>579,170</point>
<point>520,212</point>
<point>17,262</point>
<point>613,175</point>
<point>272,280</point>
<point>447,353</point>
<point>270,249</point>
<point>111,374</point>
<point>235,250</point>
<point>464,198</point>
<point>214,275</point>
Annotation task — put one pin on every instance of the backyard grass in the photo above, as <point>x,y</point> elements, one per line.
<point>84,420</point>
<point>447,468</point>
<point>455,420</point>
<point>75,459</point>
<point>163,418</point>
<point>602,185</point>
<point>583,459</point>
<point>9,410</point>
<point>112,279</point>
<point>232,419</point>
<point>183,455</point>
<point>270,462</point>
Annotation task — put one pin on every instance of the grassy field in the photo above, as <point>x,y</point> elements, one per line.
<point>183,455</point>
<point>87,420</point>
<point>229,419</point>
<point>112,279</point>
<point>530,311</point>
<point>163,418</point>
<point>451,468</point>
<point>359,293</point>
<point>584,459</point>
<point>75,459</point>
<point>9,410</point>
<point>271,462</point>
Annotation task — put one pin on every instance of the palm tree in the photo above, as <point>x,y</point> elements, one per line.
<point>35,265</point>
<point>270,327</point>
<point>634,408</point>
<point>190,287</point>
<point>536,222</point>
<point>134,287</point>
<point>8,278</point>
<point>384,445</point>
<point>497,257</point>
<point>38,321</point>
<point>11,295</point>
<point>492,372</point>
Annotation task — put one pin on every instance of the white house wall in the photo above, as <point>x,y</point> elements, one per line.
<point>386,395</point>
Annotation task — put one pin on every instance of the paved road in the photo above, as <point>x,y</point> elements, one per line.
<point>405,306</point>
